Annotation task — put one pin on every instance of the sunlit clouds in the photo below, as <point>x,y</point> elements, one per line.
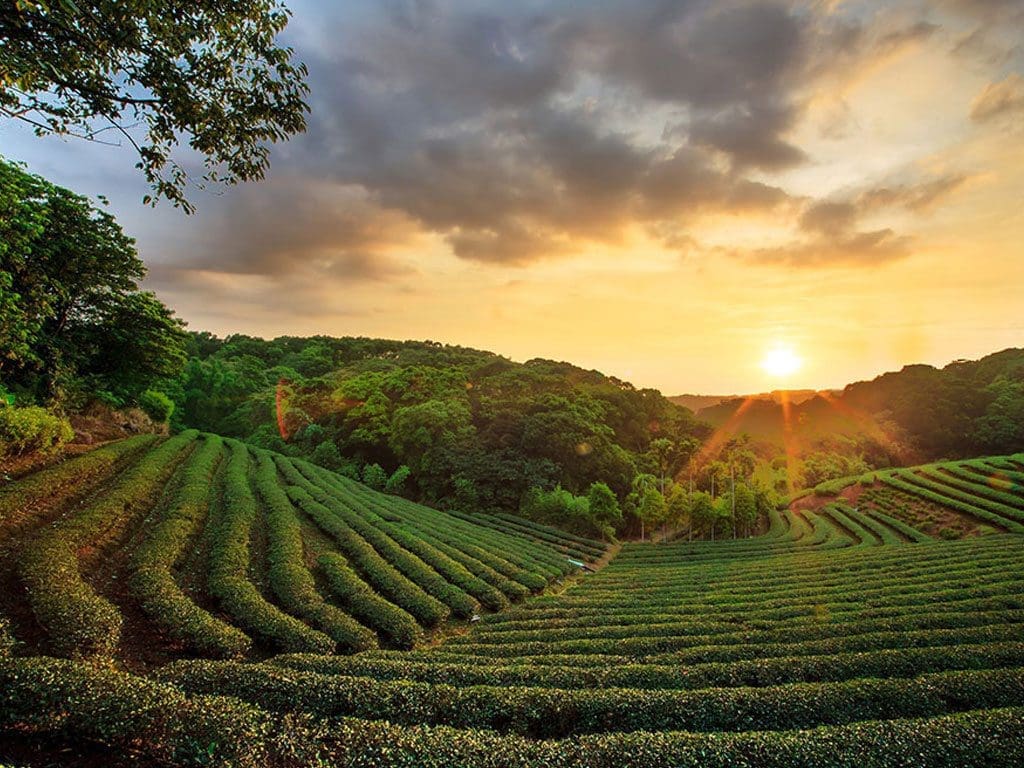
<point>659,190</point>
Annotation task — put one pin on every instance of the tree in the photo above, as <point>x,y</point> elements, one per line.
<point>157,405</point>
<point>1001,428</point>
<point>396,483</point>
<point>327,455</point>
<point>651,509</point>
<point>719,477</point>
<point>678,502</point>
<point>603,508</point>
<point>642,483</point>
<point>559,507</point>
<point>822,465</point>
<point>375,477</point>
<point>702,510</point>
<point>746,507</point>
<point>661,451</point>
<point>207,71</point>
<point>723,507</point>
<point>79,320</point>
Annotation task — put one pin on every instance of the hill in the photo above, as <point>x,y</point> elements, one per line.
<point>160,574</point>
<point>697,403</point>
<point>474,429</point>
<point>919,413</point>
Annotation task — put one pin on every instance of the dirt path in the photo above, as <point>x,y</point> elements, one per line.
<point>107,569</point>
<point>607,557</point>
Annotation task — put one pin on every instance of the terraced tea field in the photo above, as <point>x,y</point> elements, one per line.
<point>948,500</point>
<point>845,636</point>
<point>148,549</point>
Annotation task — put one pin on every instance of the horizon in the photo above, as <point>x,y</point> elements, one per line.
<point>666,392</point>
<point>844,183</point>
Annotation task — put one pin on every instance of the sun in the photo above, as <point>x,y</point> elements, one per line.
<point>780,360</point>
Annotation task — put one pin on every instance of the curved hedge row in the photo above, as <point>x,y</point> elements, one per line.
<point>377,571</point>
<point>61,702</point>
<point>152,582</point>
<point>521,559</point>
<point>445,566</point>
<point>290,579</point>
<point>556,713</point>
<point>77,620</point>
<point>365,604</point>
<point>18,501</point>
<point>407,563</point>
<point>936,493</point>
<point>228,576</point>
<point>836,667</point>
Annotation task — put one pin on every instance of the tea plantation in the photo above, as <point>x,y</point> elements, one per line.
<point>194,601</point>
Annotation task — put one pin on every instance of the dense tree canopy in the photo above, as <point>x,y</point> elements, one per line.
<point>467,424</point>
<point>73,322</point>
<point>209,72</point>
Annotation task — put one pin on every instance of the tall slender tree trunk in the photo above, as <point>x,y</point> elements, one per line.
<point>732,493</point>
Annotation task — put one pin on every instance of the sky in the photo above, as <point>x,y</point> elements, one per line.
<point>668,192</point>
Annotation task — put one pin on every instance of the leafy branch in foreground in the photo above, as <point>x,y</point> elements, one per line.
<point>208,70</point>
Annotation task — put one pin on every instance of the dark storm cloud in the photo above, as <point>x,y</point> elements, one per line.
<point>518,132</point>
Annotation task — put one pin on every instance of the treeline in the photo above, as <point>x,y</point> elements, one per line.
<point>967,408</point>
<point>74,325</point>
<point>667,509</point>
<point>911,416</point>
<point>442,424</point>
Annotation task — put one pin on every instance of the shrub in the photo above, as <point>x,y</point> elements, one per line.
<point>327,455</point>
<point>396,483</point>
<point>152,581</point>
<point>157,405</point>
<point>365,604</point>
<point>32,428</point>
<point>557,713</point>
<point>414,568</point>
<point>288,575</point>
<point>384,577</point>
<point>375,476</point>
<point>229,561</point>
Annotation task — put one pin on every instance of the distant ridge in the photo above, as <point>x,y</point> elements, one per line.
<point>696,403</point>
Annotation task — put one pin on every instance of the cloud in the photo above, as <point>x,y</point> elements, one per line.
<point>289,245</point>
<point>914,196</point>
<point>830,232</point>
<point>516,133</point>
<point>829,218</point>
<point>1000,99</point>
<point>853,249</point>
<point>519,134</point>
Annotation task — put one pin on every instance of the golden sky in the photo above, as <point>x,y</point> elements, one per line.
<point>662,191</point>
